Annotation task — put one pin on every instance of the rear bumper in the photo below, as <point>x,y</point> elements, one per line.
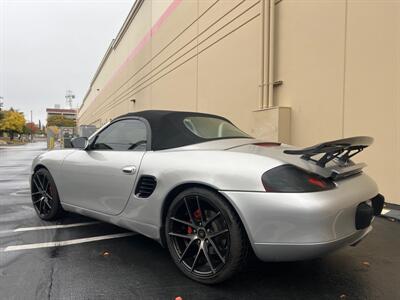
<point>295,226</point>
<point>293,252</point>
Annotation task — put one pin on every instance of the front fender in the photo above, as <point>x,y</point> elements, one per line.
<point>52,161</point>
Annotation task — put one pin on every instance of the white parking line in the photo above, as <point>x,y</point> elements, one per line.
<point>66,243</point>
<point>49,227</point>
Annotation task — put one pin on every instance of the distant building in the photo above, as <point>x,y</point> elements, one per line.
<point>67,113</point>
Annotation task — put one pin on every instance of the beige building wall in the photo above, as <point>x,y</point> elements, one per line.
<point>338,61</point>
<point>340,66</point>
<point>172,68</point>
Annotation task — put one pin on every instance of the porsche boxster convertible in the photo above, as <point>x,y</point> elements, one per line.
<point>209,192</point>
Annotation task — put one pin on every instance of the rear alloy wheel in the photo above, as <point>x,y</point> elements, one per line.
<point>205,237</point>
<point>45,196</point>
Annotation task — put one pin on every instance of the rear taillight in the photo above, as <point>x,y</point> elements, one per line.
<point>291,179</point>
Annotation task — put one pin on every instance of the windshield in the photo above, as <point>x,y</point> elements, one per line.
<point>213,128</point>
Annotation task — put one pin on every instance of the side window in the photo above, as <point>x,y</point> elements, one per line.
<point>125,135</point>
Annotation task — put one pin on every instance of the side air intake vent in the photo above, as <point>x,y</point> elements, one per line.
<point>146,186</point>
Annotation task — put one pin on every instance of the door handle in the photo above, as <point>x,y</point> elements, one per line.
<point>129,169</point>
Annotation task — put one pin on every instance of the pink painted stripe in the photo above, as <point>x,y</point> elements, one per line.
<point>144,41</point>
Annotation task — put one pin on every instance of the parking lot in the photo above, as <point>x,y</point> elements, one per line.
<point>80,258</point>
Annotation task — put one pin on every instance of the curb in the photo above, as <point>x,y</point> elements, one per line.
<point>391,214</point>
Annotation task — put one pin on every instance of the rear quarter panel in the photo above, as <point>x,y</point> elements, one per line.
<point>221,170</point>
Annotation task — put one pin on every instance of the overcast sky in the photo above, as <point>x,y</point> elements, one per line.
<point>48,47</point>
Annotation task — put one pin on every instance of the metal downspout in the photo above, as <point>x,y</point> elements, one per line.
<point>271,38</point>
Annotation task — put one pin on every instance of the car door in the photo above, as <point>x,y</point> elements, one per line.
<point>101,177</point>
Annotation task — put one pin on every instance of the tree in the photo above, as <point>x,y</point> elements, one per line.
<point>12,122</point>
<point>60,121</point>
<point>30,128</point>
<point>1,118</point>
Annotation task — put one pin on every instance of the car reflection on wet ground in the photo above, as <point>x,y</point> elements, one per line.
<point>81,258</point>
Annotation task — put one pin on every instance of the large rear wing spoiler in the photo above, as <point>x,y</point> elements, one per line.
<point>341,150</point>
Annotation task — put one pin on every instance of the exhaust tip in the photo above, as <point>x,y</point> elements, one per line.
<point>377,204</point>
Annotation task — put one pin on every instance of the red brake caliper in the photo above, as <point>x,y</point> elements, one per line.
<point>197,214</point>
<point>197,217</point>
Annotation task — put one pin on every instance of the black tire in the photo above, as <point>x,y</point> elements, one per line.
<point>209,245</point>
<point>45,199</point>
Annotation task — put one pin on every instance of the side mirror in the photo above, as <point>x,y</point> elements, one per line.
<point>79,142</point>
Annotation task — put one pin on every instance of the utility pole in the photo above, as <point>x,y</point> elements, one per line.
<point>1,102</point>
<point>31,128</point>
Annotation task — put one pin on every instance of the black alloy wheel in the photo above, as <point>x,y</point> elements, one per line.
<point>45,196</point>
<point>205,236</point>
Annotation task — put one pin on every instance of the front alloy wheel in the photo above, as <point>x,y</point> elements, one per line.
<point>45,196</point>
<point>205,236</point>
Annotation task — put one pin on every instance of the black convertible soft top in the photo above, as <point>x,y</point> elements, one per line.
<point>167,127</point>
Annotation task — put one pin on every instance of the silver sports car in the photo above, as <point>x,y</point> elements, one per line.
<point>209,192</point>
